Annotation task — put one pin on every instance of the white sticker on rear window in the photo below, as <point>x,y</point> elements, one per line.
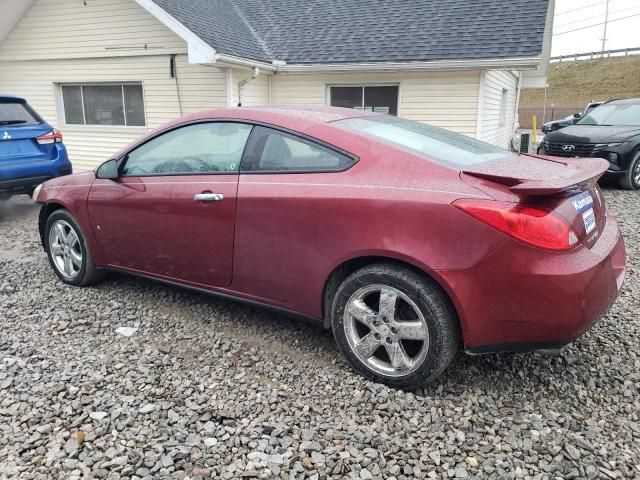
<point>582,202</point>
<point>589,219</point>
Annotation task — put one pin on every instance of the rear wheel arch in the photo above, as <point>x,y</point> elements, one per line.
<point>346,268</point>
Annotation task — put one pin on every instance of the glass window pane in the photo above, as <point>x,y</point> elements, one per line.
<point>214,147</point>
<point>134,104</point>
<point>283,152</point>
<point>16,113</point>
<point>381,100</point>
<point>348,97</point>
<point>72,100</point>
<point>103,104</point>
<point>435,144</point>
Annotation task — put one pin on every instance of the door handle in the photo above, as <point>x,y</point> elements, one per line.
<point>208,197</point>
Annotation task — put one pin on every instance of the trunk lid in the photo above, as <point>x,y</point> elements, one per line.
<point>565,186</point>
<point>19,144</point>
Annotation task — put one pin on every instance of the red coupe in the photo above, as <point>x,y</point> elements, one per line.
<point>409,241</point>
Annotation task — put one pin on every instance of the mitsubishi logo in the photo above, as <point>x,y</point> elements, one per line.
<point>6,136</point>
<point>568,148</point>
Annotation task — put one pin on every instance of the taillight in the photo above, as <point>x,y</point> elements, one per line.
<point>534,226</point>
<point>54,136</point>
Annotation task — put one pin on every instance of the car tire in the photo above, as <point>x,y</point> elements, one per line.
<point>631,179</point>
<point>403,343</point>
<point>68,252</point>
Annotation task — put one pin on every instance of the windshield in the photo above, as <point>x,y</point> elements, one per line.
<point>613,114</point>
<point>432,143</point>
<point>18,114</point>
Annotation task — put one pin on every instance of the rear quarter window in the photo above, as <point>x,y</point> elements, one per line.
<point>432,143</point>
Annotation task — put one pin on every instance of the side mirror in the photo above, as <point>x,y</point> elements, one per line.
<point>577,115</point>
<point>108,170</point>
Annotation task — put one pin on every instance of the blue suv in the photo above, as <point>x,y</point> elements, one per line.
<point>31,150</point>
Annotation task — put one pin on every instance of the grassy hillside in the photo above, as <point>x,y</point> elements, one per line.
<point>574,84</point>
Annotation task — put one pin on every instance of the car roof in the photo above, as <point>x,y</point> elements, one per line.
<point>11,97</point>
<point>306,119</point>
<point>624,101</point>
<point>281,114</point>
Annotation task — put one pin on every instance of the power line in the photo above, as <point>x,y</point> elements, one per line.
<point>580,8</point>
<point>596,24</point>
<point>596,16</point>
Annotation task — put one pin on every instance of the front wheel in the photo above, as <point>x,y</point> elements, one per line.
<point>394,326</point>
<point>68,251</point>
<point>631,179</point>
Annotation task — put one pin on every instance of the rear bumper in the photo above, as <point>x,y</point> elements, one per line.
<point>523,299</point>
<point>19,177</point>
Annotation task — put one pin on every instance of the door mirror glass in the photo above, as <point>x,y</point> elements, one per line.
<point>108,170</point>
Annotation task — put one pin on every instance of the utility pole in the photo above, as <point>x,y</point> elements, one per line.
<point>606,20</point>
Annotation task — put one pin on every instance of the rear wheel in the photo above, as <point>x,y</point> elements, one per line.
<point>394,326</point>
<point>631,179</point>
<point>68,251</point>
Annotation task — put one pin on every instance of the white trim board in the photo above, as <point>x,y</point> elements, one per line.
<point>480,110</point>
<point>199,51</point>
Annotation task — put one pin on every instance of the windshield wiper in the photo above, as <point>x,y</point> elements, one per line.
<point>12,122</point>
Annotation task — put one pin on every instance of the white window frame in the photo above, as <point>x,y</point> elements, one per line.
<point>62,117</point>
<point>503,107</point>
<point>329,86</point>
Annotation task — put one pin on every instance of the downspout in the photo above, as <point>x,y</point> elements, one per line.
<point>173,73</point>
<point>516,120</point>
<point>242,83</point>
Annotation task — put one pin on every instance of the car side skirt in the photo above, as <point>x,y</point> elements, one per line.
<point>227,296</point>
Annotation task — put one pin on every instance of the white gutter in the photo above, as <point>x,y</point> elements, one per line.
<point>519,63</point>
<point>244,62</point>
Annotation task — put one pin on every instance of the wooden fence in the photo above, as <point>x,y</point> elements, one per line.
<point>525,114</point>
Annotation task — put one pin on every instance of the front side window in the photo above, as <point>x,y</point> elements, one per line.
<point>617,114</point>
<point>432,143</point>
<point>212,147</point>
<point>378,99</point>
<point>105,104</point>
<point>275,151</point>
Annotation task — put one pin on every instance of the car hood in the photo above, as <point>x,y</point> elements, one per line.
<point>562,121</point>
<point>592,134</point>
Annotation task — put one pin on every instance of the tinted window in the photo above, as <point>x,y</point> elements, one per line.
<point>378,99</point>
<point>72,100</point>
<point>214,147</point>
<point>17,113</point>
<point>118,104</point>
<point>432,143</point>
<point>613,114</point>
<point>272,150</point>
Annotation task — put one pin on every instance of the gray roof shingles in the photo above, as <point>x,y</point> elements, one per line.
<point>341,31</point>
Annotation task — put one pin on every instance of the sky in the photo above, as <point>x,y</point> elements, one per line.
<point>576,14</point>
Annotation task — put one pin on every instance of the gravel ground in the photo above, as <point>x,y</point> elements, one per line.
<point>206,388</point>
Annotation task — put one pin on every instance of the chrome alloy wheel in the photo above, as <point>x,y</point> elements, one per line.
<point>65,249</point>
<point>636,173</point>
<point>386,330</point>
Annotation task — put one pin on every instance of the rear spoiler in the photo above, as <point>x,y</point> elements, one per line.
<point>565,174</point>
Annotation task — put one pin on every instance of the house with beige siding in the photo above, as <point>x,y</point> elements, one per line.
<point>105,72</point>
